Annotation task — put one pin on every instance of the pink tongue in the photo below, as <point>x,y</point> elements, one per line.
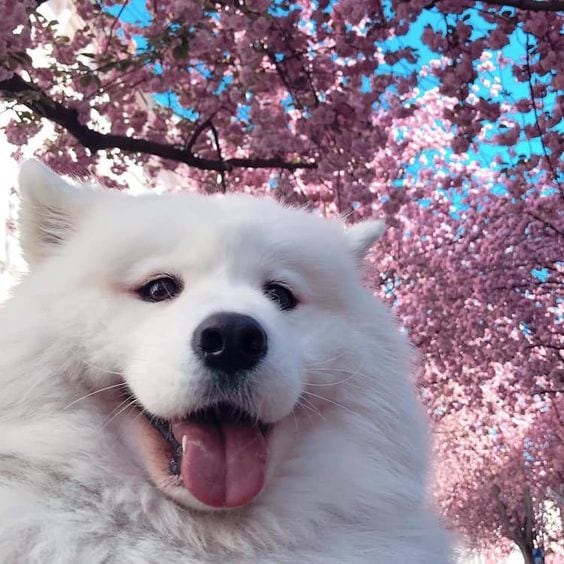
<point>223,464</point>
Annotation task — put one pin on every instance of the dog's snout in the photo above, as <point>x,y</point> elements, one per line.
<point>230,342</point>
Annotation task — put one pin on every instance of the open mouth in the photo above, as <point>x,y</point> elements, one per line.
<point>219,454</point>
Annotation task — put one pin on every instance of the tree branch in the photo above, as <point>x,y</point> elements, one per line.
<point>198,130</point>
<point>546,223</point>
<point>28,94</point>
<point>510,531</point>
<point>113,26</point>
<point>219,156</point>
<point>529,525</point>
<point>535,112</point>
<point>530,5</point>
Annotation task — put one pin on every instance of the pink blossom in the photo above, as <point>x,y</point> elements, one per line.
<point>389,139</point>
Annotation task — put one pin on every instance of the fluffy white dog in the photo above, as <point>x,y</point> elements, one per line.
<point>202,379</point>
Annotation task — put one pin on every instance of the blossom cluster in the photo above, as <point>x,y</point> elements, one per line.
<point>441,117</point>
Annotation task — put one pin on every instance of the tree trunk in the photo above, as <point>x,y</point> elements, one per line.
<point>527,552</point>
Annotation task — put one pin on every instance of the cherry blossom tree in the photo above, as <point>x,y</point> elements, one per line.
<point>496,488</point>
<point>440,115</point>
<point>282,87</point>
<point>474,270</point>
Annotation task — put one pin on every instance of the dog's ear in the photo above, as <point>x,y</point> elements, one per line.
<point>49,210</point>
<point>361,236</point>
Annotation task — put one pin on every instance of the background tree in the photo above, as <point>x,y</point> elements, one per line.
<point>441,115</point>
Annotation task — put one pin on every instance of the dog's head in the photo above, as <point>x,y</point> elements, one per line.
<point>222,327</point>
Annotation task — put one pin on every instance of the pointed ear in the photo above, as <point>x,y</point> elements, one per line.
<point>49,210</point>
<point>361,236</point>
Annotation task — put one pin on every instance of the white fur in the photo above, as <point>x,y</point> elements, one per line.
<point>347,465</point>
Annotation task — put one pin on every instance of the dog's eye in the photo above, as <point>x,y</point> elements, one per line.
<point>160,289</point>
<point>280,295</point>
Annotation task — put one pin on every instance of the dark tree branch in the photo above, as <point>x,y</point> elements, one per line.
<point>530,5</point>
<point>536,114</point>
<point>113,26</point>
<point>545,346</point>
<point>503,512</point>
<point>219,156</point>
<point>285,80</point>
<point>198,130</point>
<point>299,58</point>
<point>28,94</point>
<point>529,527</point>
<point>546,223</point>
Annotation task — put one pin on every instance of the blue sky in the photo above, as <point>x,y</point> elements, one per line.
<point>512,90</point>
<point>135,12</point>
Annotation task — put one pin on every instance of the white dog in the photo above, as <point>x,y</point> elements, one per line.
<point>203,379</point>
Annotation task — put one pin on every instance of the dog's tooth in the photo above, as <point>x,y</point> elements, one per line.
<point>184,442</point>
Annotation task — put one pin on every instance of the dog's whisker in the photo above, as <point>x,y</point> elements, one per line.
<point>103,370</point>
<point>315,369</point>
<point>119,405</point>
<point>113,386</point>
<point>95,367</point>
<point>328,401</point>
<point>325,384</point>
<point>307,404</point>
<point>306,407</point>
<point>128,403</point>
<point>330,360</point>
<point>140,413</point>
<point>295,419</point>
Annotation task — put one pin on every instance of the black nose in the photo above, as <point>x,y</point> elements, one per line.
<point>230,342</point>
